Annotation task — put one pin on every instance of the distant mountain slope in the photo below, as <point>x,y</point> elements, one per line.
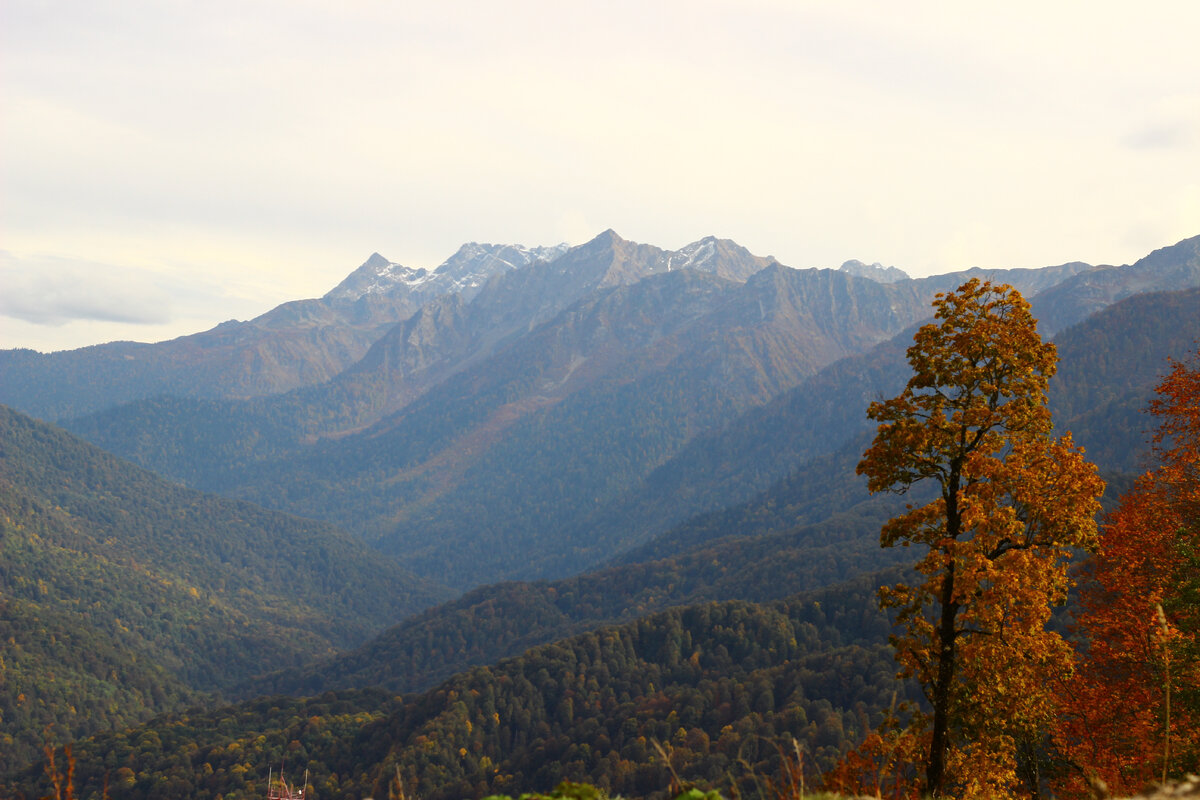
<point>299,343</point>
<point>1166,269</point>
<point>444,337</point>
<point>306,342</point>
<point>1110,364</point>
<point>876,272</point>
<point>457,331</point>
<point>485,464</point>
<point>482,298</point>
<point>462,274</point>
<point>1108,367</point>
<point>718,683</point>
<point>534,442</point>
<point>650,356</point>
<point>124,594</point>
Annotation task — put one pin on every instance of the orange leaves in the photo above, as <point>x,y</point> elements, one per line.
<point>1177,407</point>
<point>882,766</point>
<point>1013,503</point>
<point>1140,619</point>
<point>1111,720</point>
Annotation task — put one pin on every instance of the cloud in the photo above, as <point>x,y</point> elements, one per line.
<point>48,290</point>
<point>1178,133</point>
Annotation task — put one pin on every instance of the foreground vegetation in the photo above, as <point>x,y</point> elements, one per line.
<point>1010,709</point>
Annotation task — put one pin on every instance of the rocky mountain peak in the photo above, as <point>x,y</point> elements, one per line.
<point>376,275</point>
<point>695,255</point>
<point>474,264</point>
<point>723,257</point>
<point>464,272</point>
<point>606,240</point>
<point>876,271</point>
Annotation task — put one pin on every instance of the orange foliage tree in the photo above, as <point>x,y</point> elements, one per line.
<point>1013,501</point>
<point>1131,713</point>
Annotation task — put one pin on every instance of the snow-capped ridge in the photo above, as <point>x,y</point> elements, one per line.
<point>693,256</point>
<point>377,275</point>
<point>474,264</point>
<point>464,272</point>
<point>876,271</point>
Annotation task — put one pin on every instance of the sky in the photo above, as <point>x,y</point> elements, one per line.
<point>166,165</point>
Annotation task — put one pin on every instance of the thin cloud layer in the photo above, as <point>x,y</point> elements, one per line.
<point>55,291</point>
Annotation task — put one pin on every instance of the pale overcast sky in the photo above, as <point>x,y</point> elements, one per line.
<point>169,164</point>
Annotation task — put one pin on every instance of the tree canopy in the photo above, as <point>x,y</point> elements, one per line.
<point>1131,714</point>
<point>1013,501</point>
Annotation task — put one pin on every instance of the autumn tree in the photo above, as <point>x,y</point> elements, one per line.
<point>1131,712</point>
<point>1012,502</point>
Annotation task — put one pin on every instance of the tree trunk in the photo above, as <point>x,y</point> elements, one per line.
<point>935,770</point>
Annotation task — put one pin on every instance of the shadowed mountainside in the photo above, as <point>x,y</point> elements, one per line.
<point>125,595</point>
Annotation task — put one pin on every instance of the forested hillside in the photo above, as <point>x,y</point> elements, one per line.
<point>502,620</point>
<point>1109,366</point>
<point>719,685</point>
<point>125,595</point>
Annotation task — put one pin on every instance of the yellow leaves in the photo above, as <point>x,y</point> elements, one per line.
<point>985,770</point>
<point>1013,501</point>
<point>925,524</point>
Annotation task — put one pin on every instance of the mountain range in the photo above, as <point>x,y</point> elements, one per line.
<point>423,473</point>
<point>296,344</point>
<point>528,430</point>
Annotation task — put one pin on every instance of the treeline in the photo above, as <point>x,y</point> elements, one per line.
<point>719,685</point>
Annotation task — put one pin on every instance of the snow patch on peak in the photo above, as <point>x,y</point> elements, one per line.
<point>464,272</point>
<point>376,275</point>
<point>474,264</point>
<point>693,256</point>
<point>876,272</point>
